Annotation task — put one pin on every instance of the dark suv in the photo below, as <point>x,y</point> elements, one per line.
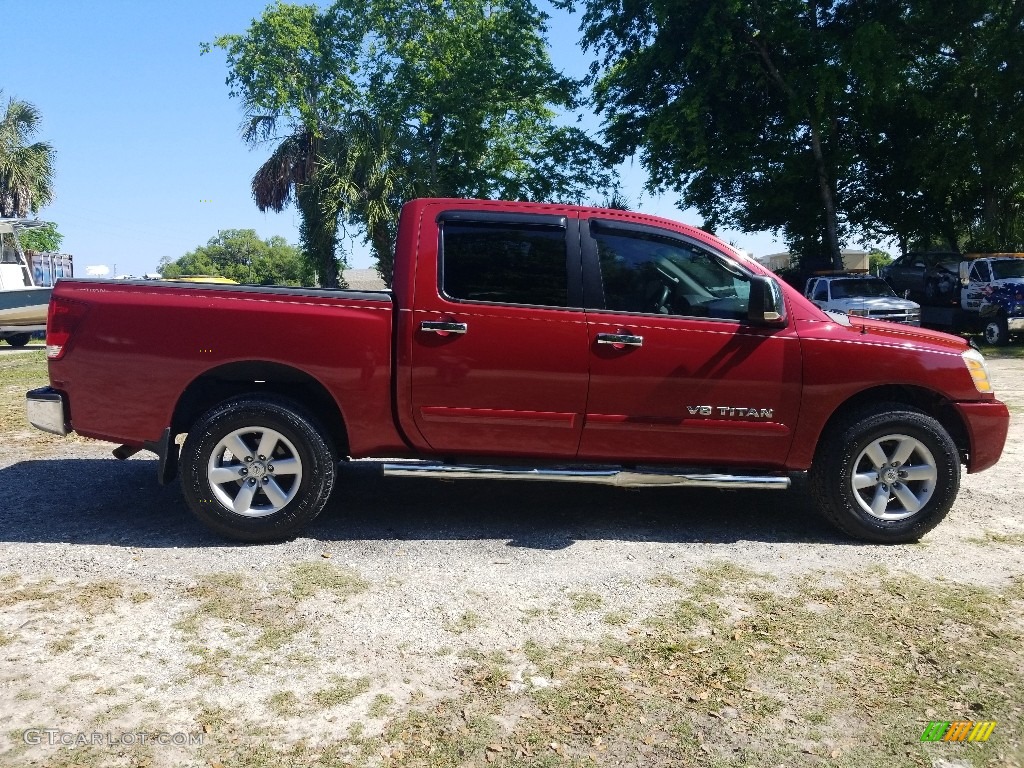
<point>930,277</point>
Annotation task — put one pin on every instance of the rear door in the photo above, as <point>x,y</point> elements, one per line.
<point>499,337</point>
<point>678,374</point>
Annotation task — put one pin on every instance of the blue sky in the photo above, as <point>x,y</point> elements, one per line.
<point>149,159</point>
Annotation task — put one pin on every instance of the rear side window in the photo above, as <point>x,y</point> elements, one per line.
<point>504,263</point>
<point>653,274</point>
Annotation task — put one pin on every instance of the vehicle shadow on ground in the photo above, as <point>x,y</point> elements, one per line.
<point>105,501</point>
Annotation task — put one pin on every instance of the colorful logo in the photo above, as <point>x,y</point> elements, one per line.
<point>958,730</point>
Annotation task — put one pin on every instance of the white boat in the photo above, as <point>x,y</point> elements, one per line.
<point>23,304</point>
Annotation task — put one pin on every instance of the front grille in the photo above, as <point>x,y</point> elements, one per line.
<point>912,317</point>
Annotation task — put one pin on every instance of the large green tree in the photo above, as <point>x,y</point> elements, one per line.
<point>241,255</point>
<point>740,107</point>
<point>439,98</point>
<point>940,121</point>
<point>820,118</point>
<point>26,166</point>
<point>290,72</point>
<point>461,100</point>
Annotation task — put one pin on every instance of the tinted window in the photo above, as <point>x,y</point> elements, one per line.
<point>662,275</point>
<point>821,290</point>
<point>1007,270</point>
<point>861,287</point>
<point>504,263</point>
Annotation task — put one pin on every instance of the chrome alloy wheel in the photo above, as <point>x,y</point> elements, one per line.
<point>254,471</point>
<point>893,477</point>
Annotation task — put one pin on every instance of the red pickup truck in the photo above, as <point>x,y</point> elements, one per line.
<point>530,341</point>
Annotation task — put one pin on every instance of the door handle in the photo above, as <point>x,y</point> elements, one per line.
<point>443,326</point>
<point>620,339</point>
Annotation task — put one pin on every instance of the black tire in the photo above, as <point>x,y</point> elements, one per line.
<point>997,331</point>
<point>19,339</point>
<point>844,450</point>
<point>300,491</point>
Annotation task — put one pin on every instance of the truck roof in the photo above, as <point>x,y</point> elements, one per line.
<point>585,210</point>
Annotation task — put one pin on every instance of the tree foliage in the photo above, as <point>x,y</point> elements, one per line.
<point>820,118</point>
<point>738,106</point>
<point>289,71</point>
<point>240,254</point>
<point>389,100</point>
<point>26,166</point>
<point>43,239</point>
<point>939,89</point>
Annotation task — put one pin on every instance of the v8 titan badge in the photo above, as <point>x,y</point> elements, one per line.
<point>729,410</point>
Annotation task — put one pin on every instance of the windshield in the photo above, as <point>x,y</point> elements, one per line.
<point>1005,270</point>
<point>857,288</point>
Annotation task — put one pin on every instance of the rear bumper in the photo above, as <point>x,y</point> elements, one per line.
<point>987,425</point>
<point>46,410</point>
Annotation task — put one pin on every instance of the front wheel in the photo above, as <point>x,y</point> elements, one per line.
<point>887,474</point>
<point>997,331</point>
<point>19,339</point>
<point>256,469</point>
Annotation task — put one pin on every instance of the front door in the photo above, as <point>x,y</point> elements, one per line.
<point>678,374</point>
<point>499,338</point>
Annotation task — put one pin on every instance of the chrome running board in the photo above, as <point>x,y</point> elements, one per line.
<point>623,478</point>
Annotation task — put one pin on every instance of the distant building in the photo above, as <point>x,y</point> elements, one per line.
<point>854,260</point>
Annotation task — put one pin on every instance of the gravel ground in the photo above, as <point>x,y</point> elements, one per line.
<point>107,573</point>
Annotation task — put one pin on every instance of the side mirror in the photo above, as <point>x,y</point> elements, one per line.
<point>965,278</point>
<point>766,307</point>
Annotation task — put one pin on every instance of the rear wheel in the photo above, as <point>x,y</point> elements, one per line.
<point>997,331</point>
<point>18,339</point>
<point>888,474</point>
<point>257,469</point>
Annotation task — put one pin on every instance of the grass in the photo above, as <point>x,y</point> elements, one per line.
<point>341,691</point>
<point>256,623</point>
<point>616,618</point>
<point>738,669</point>
<point>19,373</point>
<point>842,670</point>
<point>380,705</point>
<point>46,595</point>
<point>992,537</point>
<point>467,622</point>
<point>232,600</point>
<point>308,579</point>
<point>1012,351</point>
<point>584,602</point>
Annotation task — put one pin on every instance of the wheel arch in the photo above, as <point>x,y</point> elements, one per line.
<point>929,401</point>
<point>259,377</point>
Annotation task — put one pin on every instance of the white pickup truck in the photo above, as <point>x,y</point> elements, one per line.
<point>863,296</point>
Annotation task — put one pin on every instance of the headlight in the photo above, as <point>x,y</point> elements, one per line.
<point>975,363</point>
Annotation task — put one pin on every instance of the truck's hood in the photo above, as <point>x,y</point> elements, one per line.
<point>894,333</point>
<point>897,334</point>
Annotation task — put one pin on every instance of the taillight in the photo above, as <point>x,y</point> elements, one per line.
<point>62,318</point>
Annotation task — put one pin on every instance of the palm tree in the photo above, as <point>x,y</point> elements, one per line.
<point>365,168</point>
<point>26,170</point>
<point>295,172</point>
